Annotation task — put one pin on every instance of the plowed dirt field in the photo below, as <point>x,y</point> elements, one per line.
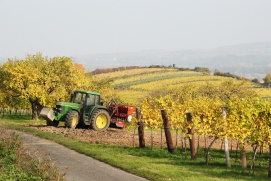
<point>127,137</point>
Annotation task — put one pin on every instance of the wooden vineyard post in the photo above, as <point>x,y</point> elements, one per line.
<point>269,168</point>
<point>140,128</point>
<point>192,140</point>
<point>226,144</point>
<point>166,124</point>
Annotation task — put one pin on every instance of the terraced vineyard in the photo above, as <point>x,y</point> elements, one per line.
<point>135,84</point>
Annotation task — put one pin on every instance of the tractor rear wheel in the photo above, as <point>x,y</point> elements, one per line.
<point>100,120</point>
<point>52,123</point>
<point>72,119</point>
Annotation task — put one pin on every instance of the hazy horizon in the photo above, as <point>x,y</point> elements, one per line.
<point>77,28</point>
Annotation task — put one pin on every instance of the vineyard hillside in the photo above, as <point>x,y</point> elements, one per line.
<point>133,85</point>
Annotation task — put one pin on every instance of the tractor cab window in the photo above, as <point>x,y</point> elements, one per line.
<point>97,99</point>
<point>79,97</point>
<point>90,99</point>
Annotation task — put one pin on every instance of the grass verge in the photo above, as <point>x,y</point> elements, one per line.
<point>17,164</point>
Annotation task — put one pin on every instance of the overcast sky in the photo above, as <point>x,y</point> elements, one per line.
<point>85,27</point>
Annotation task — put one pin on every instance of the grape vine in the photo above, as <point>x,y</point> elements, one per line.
<point>248,118</point>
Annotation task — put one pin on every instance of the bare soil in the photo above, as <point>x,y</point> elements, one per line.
<point>128,137</point>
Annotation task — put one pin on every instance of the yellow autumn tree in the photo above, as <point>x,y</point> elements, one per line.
<point>267,80</point>
<point>42,81</point>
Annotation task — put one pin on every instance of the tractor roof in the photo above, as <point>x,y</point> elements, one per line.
<point>88,92</point>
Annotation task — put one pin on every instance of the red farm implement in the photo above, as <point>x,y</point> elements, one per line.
<point>120,113</point>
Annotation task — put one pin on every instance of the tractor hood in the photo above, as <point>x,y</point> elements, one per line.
<point>62,108</point>
<point>68,104</point>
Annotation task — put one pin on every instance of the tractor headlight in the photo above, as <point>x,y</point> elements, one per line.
<point>58,108</point>
<point>129,118</point>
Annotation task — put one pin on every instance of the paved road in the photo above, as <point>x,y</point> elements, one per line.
<point>76,166</point>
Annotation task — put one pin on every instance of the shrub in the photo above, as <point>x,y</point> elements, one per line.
<point>17,164</point>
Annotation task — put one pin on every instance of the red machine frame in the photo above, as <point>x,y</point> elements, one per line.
<point>120,113</point>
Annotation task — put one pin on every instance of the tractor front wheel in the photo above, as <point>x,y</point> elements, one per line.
<point>100,120</point>
<point>72,119</point>
<point>52,123</point>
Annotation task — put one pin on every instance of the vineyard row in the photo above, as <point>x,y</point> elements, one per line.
<point>14,111</point>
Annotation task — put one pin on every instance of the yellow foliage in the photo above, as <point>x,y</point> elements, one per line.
<point>42,81</point>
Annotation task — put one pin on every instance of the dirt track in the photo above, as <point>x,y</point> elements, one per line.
<point>124,137</point>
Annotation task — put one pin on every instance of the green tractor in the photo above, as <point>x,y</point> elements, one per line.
<point>84,109</point>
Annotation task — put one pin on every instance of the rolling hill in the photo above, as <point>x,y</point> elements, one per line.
<point>133,85</point>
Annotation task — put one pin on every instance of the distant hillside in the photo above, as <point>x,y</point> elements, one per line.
<point>133,85</point>
<point>249,60</point>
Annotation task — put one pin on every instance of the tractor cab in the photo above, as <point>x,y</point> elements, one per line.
<point>89,101</point>
<point>86,98</point>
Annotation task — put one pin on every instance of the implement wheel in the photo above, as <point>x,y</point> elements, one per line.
<point>100,120</point>
<point>52,123</point>
<point>72,119</point>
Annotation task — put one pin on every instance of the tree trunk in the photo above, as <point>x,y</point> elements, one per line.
<point>167,131</point>
<point>176,144</point>
<point>184,143</point>
<point>206,142</point>
<point>192,140</point>
<point>141,135</point>
<point>36,108</point>
<point>226,144</point>
<point>198,144</point>
<point>208,150</point>
<point>252,167</point>
<point>243,158</point>
<point>227,154</point>
<point>269,168</point>
<point>151,137</point>
<point>140,129</point>
<point>236,151</point>
<point>161,138</point>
